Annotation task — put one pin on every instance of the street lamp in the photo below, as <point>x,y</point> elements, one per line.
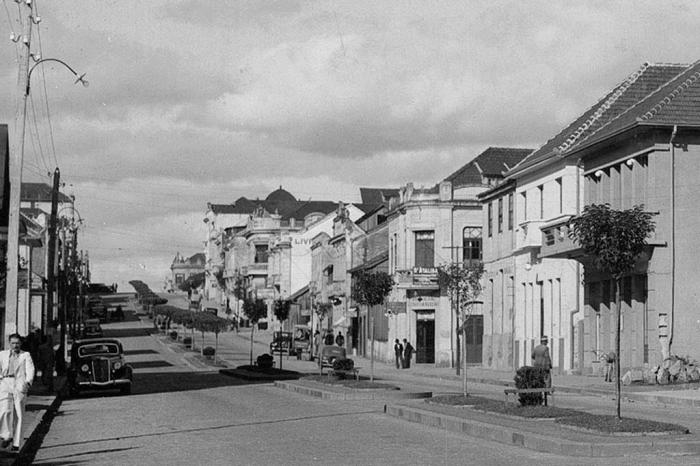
<point>12,317</point>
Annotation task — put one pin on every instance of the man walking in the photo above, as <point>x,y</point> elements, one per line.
<point>16,376</point>
<point>398,353</point>
<point>407,353</point>
<point>541,359</point>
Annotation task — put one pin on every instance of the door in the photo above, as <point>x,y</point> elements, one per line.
<point>425,341</point>
<point>475,334</point>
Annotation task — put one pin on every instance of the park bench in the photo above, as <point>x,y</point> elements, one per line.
<point>516,391</point>
<point>355,372</point>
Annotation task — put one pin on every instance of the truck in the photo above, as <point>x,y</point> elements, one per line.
<point>301,342</point>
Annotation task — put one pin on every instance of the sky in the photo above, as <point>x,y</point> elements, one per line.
<point>192,101</point>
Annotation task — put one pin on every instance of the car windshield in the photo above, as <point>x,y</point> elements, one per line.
<point>98,348</point>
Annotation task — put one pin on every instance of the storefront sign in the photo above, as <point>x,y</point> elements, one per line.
<point>396,307</point>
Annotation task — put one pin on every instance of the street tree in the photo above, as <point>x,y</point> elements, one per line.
<point>254,310</point>
<point>371,289</point>
<point>614,239</point>
<point>205,322</point>
<point>463,283</point>
<point>281,310</point>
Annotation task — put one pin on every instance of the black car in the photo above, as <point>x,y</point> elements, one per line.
<point>98,364</point>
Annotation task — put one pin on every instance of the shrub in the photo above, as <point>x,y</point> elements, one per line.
<point>173,335</point>
<point>208,351</point>
<point>343,364</point>
<point>265,361</point>
<point>187,341</point>
<point>530,377</point>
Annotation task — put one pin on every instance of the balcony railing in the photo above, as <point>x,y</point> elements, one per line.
<point>254,269</point>
<point>555,238</point>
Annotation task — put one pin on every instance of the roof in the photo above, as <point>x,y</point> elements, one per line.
<point>373,196</point>
<point>661,93</point>
<point>40,192</point>
<point>494,161</point>
<point>279,202</point>
<point>371,263</point>
<point>280,195</point>
<point>222,208</point>
<point>299,293</point>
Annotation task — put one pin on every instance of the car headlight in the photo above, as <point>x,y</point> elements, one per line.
<point>117,365</point>
<point>85,368</point>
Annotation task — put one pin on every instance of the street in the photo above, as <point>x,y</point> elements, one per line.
<point>181,414</point>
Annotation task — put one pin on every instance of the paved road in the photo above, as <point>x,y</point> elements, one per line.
<point>179,414</point>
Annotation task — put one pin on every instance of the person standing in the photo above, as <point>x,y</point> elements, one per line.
<point>16,376</point>
<point>398,353</point>
<point>46,361</point>
<point>340,339</point>
<point>541,359</point>
<point>407,353</point>
<point>610,366</point>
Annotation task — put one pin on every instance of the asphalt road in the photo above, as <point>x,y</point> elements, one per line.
<point>179,414</point>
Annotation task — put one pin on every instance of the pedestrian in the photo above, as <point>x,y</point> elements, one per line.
<point>317,343</point>
<point>541,359</point>
<point>16,376</point>
<point>407,353</point>
<point>46,361</point>
<point>610,366</point>
<point>340,339</point>
<point>398,353</point>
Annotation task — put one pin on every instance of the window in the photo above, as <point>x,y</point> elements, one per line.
<point>490,218</point>
<point>425,249</point>
<point>560,187</point>
<point>329,275</point>
<point>261,253</point>
<point>510,211</point>
<point>540,189</point>
<point>500,215</point>
<point>471,245</point>
<point>524,196</point>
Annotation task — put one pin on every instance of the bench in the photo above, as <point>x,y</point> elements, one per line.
<point>354,371</point>
<point>516,391</point>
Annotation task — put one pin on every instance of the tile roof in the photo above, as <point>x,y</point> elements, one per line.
<point>375,196</point>
<point>40,192</point>
<point>627,102</point>
<point>494,161</point>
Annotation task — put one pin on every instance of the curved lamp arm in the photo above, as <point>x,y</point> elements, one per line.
<point>80,78</point>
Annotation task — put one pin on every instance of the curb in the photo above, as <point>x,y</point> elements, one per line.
<point>348,395</point>
<point>516,436</point>
<point>34,430</point>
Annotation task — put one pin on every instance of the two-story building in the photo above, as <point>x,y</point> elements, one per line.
<point>431,227</point>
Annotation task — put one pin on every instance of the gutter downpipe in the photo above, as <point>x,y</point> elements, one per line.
<point>455,363</point>
<point>673,237</point>
<point>581,363</point>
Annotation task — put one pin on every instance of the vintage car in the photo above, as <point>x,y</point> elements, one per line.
<point>329,354</point>
<point>98,364</point>
<point>281,342</point>
<point>92,329</point>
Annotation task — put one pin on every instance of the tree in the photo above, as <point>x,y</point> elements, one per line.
<point>205,322</point>
<point>614,239</point>
<point>254,310</point>
<point>371,289</point>
<point>281,310</point>
<point>463,282</point>
<point>192,282</point>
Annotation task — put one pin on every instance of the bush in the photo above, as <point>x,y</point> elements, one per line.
<point>173,335</point>
<point>343,365</point>
<point>264,361</point>
<point>208,351</point>
<point>530,377</point>
<point>187,341</point>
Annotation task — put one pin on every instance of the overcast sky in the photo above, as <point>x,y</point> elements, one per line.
<point>205,101</point>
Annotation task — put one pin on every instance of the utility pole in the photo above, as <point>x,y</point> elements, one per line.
<point>51,259</point>
<point>16,163</point>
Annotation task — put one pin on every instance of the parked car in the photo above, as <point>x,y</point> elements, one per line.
<point>301,344</point>
<point>98,364</point>
<point>330,353</point>
<point>92,329</point>
<point>281,342</point>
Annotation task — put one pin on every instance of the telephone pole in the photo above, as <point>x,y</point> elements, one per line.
<point>51,259</point>
<point>16,163</point>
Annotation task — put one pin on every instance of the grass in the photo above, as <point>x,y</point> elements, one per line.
<point>600,423</point>
<point>349,383</point>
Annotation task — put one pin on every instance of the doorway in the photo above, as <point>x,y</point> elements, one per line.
<point>425,339</point>
<point>475,335</point>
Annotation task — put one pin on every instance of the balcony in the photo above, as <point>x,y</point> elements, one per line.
<point>528,234</point>
<point>254,269</point>
<point>555,239</point>
<point>418,278</point>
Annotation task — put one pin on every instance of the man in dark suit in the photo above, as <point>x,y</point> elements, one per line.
<point>541,359</point>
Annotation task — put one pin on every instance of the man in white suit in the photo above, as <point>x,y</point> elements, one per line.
<point>16,376</point>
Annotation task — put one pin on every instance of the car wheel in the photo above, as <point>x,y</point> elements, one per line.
<point>125,389</point>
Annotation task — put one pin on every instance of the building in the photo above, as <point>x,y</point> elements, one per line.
<point>431,227</point>
<point>183,268</point>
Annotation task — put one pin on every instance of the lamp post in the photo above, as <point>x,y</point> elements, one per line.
<point>16,165</point>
